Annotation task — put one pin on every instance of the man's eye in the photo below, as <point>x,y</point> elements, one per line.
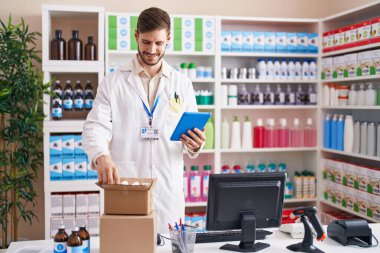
<point>159,43</point>
<point>146,42</point>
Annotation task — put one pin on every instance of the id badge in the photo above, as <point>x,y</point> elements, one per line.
<point>149,133</point>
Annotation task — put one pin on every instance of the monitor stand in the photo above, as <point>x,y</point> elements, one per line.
<point>248,235</point>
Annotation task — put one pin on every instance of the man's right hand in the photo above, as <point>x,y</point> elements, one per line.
<point>107,171</point>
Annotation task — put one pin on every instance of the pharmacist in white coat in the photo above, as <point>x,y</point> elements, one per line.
<point>127,133</point>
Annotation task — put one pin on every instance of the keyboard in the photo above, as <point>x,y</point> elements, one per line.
<point>226,236</point>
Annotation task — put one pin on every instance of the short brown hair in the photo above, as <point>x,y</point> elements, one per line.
<point>153,19</point>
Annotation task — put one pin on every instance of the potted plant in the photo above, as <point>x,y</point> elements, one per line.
<point>21,117</point>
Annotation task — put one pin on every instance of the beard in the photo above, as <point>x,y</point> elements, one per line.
<point>142,56</point>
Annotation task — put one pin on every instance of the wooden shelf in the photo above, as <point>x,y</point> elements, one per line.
<point>367,157</point>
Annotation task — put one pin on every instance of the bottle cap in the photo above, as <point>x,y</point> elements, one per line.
<point>184,168</point>
<point>270,122</point>
<point>207,167</point>
<point>82,226</point>
<point>283,122</point>
<point>235,118</point>
<point>309,121</point>
<point>247,119</point>
<point>194,168</point>
<point>57,81</point>
<point>75,33</point>
<point>62,226</point>
<point>75,229</point>
<point>296,122</point>
<point>259,122</point>
<point>183,65</point>
<point>90,39</point>
<point>58,33</point>
<point>191,65</point>
<point>77,81</point>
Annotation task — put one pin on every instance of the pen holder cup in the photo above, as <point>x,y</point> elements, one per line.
<point>183,241</point>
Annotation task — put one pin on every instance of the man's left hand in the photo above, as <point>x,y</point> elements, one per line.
<point>194,139</point>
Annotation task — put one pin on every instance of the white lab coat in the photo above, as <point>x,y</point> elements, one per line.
<point>113,127</point>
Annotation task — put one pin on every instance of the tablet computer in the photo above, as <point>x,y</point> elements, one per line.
<point>189,121</point>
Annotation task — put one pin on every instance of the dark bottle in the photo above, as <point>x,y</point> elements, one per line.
<point>78,88</point>
<point>90,50</point>
<point>88,101</point>
<point>74,243</point>
<point>58,47</point>
<point>60,240</point>
<point>68,88</point>
<point>78,102</point>
<point>88,88</point>
<point>85,237</point>
<point>56,110</point>
<point>75,47</point>
<point>57,89</point>
<point>68,97</point>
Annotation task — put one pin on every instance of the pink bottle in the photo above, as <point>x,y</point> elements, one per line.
<point>296,135</point>
<point>195,184</point>
<point>270,133</point>
<point>259,135</point>
<point>283,134</point>
<point>186,184</point>
<point>310,134</point>
<point>205,178</point>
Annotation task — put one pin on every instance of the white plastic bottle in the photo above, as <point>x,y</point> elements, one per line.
<point>305,71</point>
<point>311,96</point>
<point>298,70</point>
<point>225,141</point>
<point>261,67</point>
<point>268,96</point>
<point>279,97</point>
<point>290,96</point>
<point>352,95</point>
<point>370,95</point>
<point>291,70</point>
<point>270,69</point>
<point>361,95</point>
<point>313,70</point>
<point>332,94</point>
<point>348,134</point>
<point>277,70</point>
<point>247,134</point>
<point>284,70</point>
<point>258,96</point>
<point>235,134</point>
<point>326,94</point>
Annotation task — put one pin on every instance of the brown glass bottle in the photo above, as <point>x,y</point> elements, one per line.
<point>74,242</point>
<point>90,50</point>
<point>58,47</point>
<point>75,47</point>
<point>85,237</point>
<point>60,240</point>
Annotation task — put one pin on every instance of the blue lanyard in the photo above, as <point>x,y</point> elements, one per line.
<point>150,113</point>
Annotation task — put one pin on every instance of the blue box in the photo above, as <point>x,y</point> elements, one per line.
<point>226,42</point>
<point>281,42</point>
<point>313,43</point>
<point>78,146</point>
<point>302,45</point>
<point>188,220</point>
<point>55,146</point>
<point>91,172</point>
<point>291,42</point>
<point>68,168</point>
<point>55,168</point>
<point>248,42</point>
<point>270,42</point>
<point>197,221</point>
<point>80,168</point>
<point>68,145</point>
<point>237,41</point>
<point>259,41</point>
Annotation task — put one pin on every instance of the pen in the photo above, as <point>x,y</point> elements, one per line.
<point>170,227</point>
<point>176,226</point>
<point>175,96</point>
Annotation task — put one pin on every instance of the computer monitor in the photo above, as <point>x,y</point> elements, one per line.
<point>245,201</point>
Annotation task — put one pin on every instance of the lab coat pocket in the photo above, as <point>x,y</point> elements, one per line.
<point>127,169</point>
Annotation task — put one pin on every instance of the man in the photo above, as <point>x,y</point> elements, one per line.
<point>146,96</point>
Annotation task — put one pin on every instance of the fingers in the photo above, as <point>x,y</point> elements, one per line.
<point>116,175</point>
<point>100,176</point>
<point>110,175</point>
<point>188,142</point>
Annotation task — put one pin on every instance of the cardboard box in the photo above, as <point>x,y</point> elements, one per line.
<point>349,175</point>
<point>56,205</point>
<point>373,181</point>
<point>129,199</point>
<point>55,146</point>
<point>68,144</point>
<point>281,42</point>
<point>336,171</point>
<point>350,198</point>
<point>361,202</point>
<point>259,41</point>
<point>364,33</point>
<point>80,221</point>
<point>375,30</point>
<point>54,224</point>
<point>350,65</point>
<point>55,168</point>
<point>81,204</point>
<point>91,171</point>
<point>69,224</point>
<point>80,164</point>
<point>291,42</point>
<point>364,63</point>
<point>226,41</point>
<point>328,38</point>
<point>327,68</point>
<point>338,39</point>
<point>361,178</point>
<point>375,66</point>
<point>78,149</point>
<point>373,207</point>
<point>128,233</point>
<point>313,42</point>
<point>68,205</point>
<point>237,41</point>
<point>350,36</point>
<point>338,66</point>
<point>248,41</point>
<point>93,226</point>
<point>302,42</point>
<point>68,168</point>
<point>270,42</point>
<point>94,204</point>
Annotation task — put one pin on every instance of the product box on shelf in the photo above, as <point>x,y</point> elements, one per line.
<point>375,66</point>
<point>91,171</point>
<point>121,21</point>
<point>93,204</point>
<point>363,33</point>
<point>237,41</point>
<point>188,46</point>
<point>55,168</point>
<point>80,165</point>
<point>327,169</point>
<point>132,198</point>
<point>69,223</point>
<point>338,39</point>
<point>349,174</point>
<point>78,146</point>
<point>327,68</point>
<point>336,171</point>
<point>328,190</point>
<point>361,178</point>
<point>259,41</point>
<point>350,65</point>
<point>68,168</point>
<point>135,233</point>
<point>248,42</point>
<point>197,221</point>
<point>68,145</point>
<point>302,42</point>
<point>313,42</point>
<point>361,202</point>
<point>291,42</point>
<point>68,205</point>
<point>280,42</point>
<point>365,61</point>
<point>373,206</point>
<point>338,66</point>
<point>54,225</point>
<point>338,194</point>
<point>93,226</point>
<point>328,38</point>
<point>208,46</point>
<point>373,181</point>
<point>81,220</point>
<point>350,198</point>
<point>375,30</point>
<point>270,42</point>
<point>350,36</point>
<point>55,146</point>
<point>81,204</point>
<point>226,41</point>
<point>56,205</point>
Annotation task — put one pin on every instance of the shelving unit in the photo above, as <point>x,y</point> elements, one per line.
<point>368,113</point>
<point>90,22</point>
<point>257,81</point>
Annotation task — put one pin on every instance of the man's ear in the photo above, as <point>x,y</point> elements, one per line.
<point>168,37</point>
<point>136,34</point>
